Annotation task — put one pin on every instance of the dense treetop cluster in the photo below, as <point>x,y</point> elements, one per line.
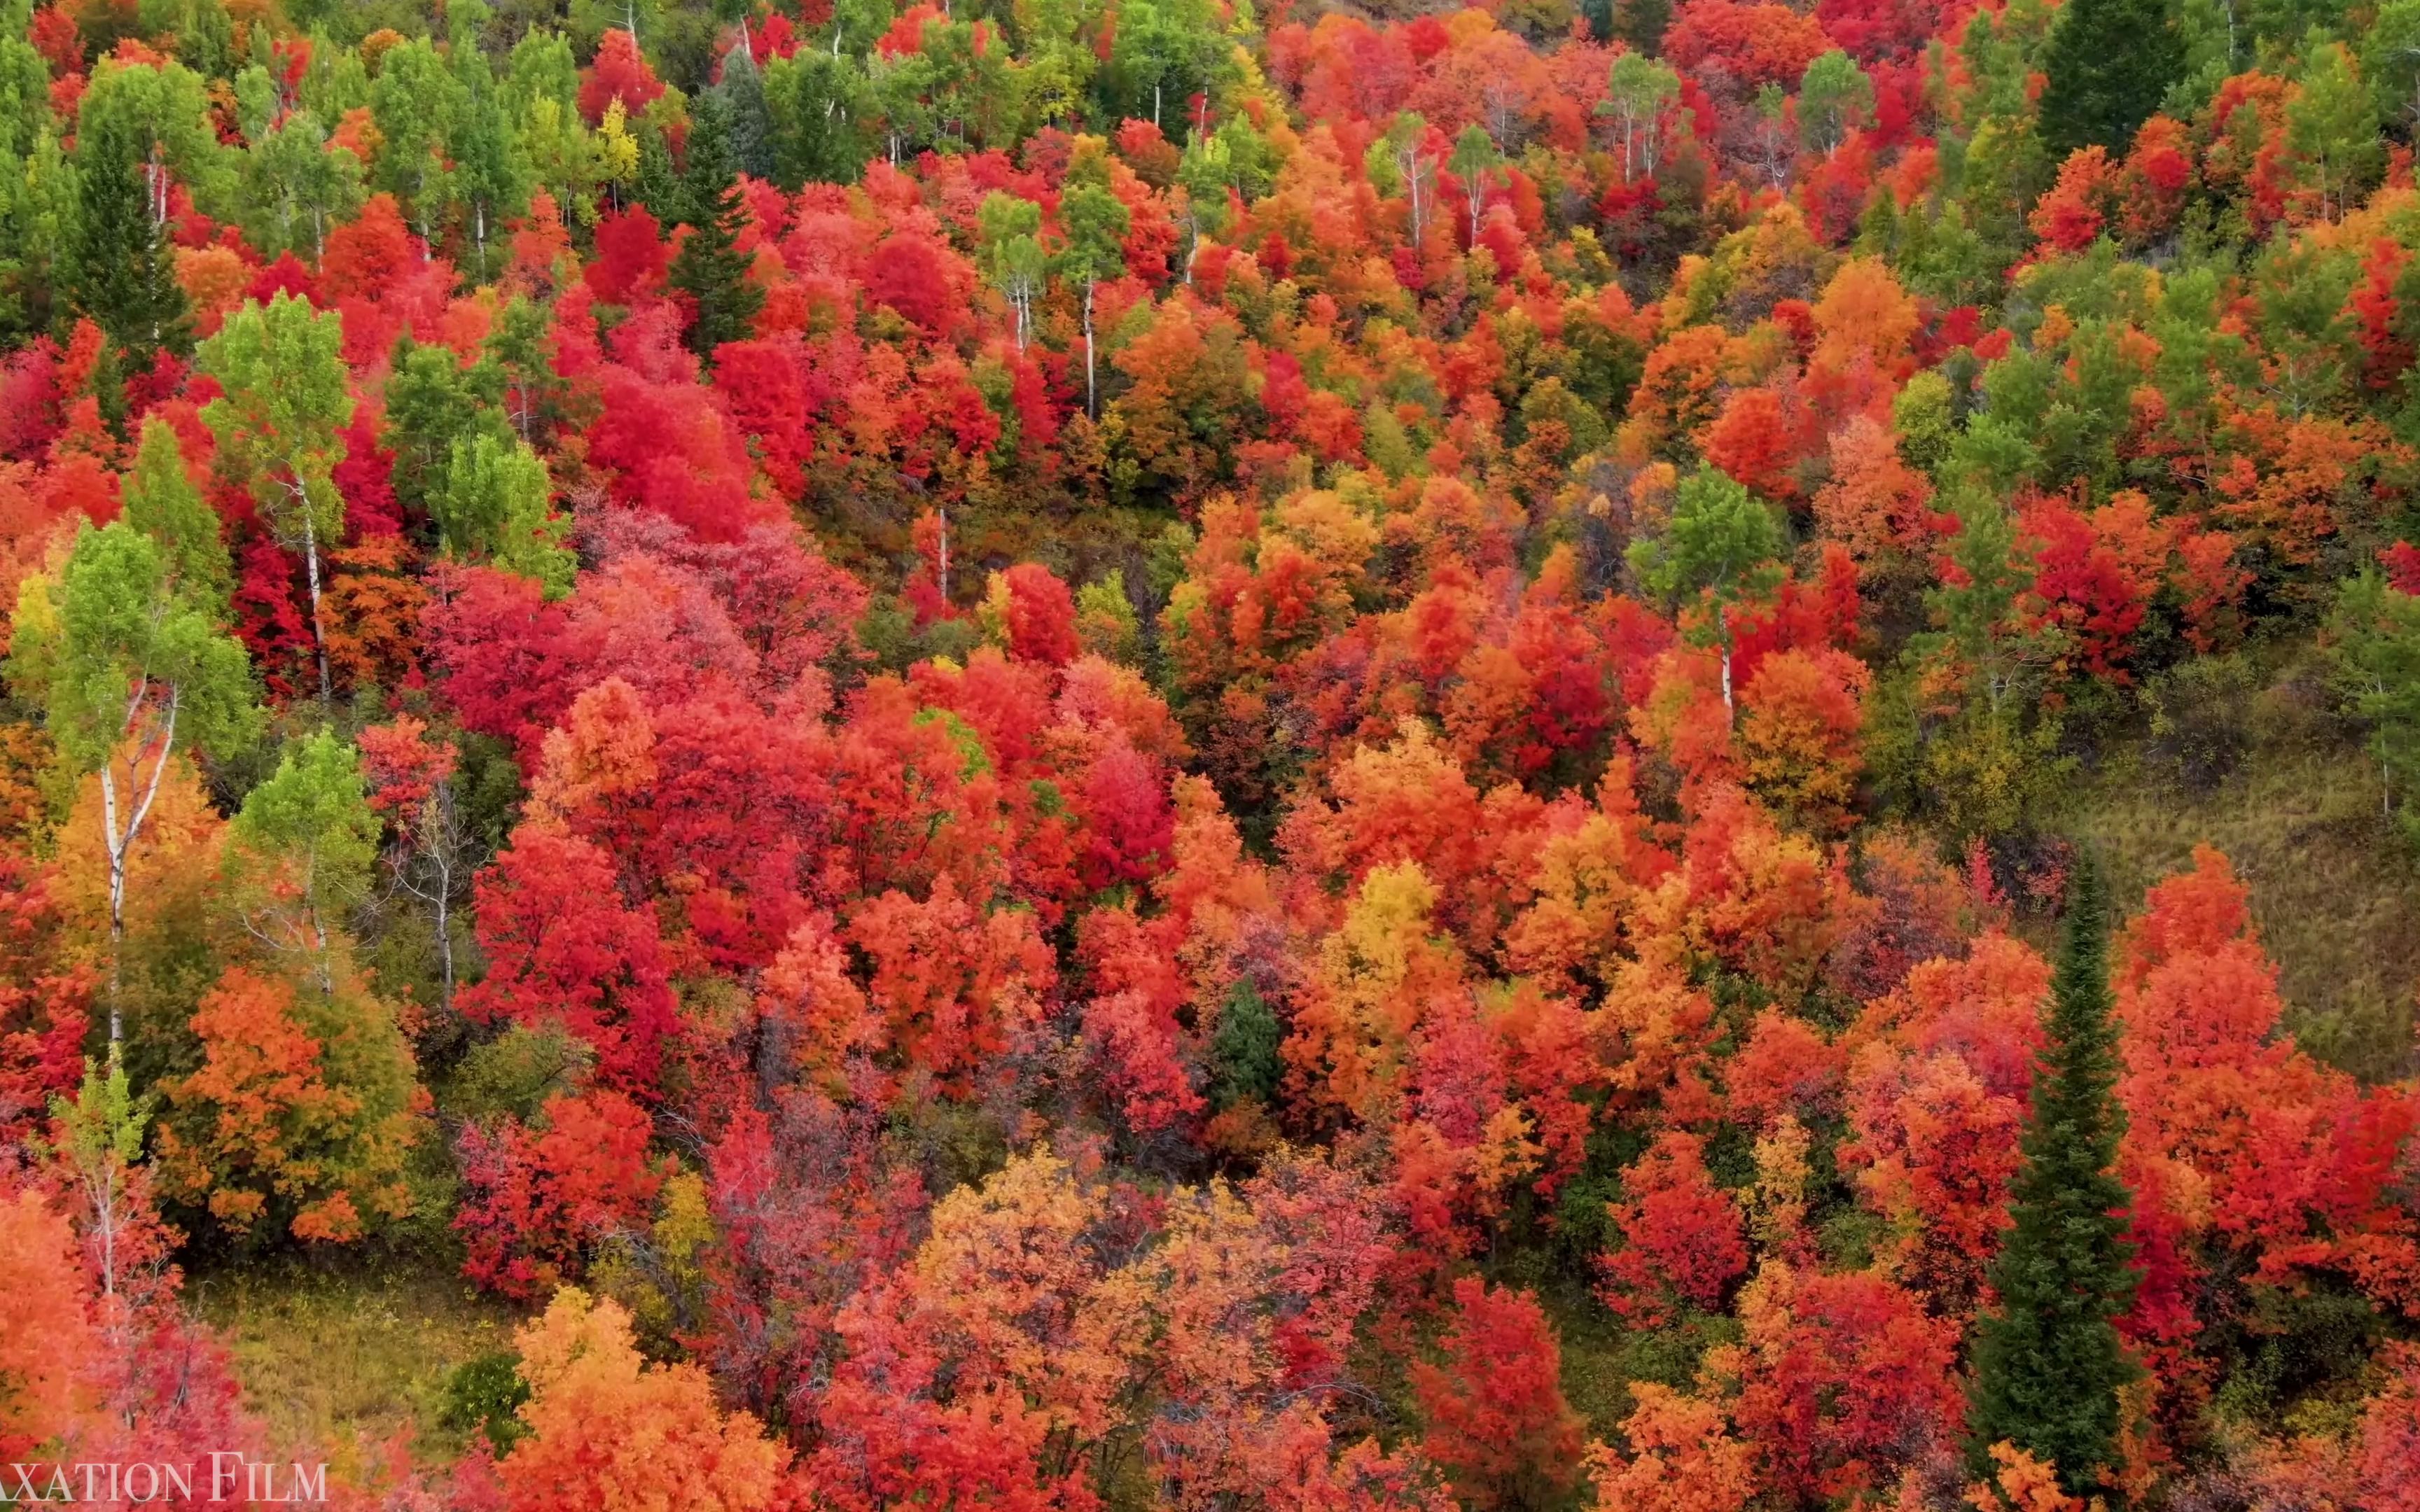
<point>1108,754</point>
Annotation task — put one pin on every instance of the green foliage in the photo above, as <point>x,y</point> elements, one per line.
<point>1642,23</point>
<point>433,405</point>
<point>298,187</point>
<point>115,621</point>
<point>120,268</point>
<point>498,505</point>
<point>1164,51</point>
<point>284,402</point>
<point>1105,622</point>
<point>484,1394</point>
<point>1720,541</point>
<point>303,842</point>
<point>2048,1361</point>
<point>2108,65</point>
<point>158,499</point>
<point>2375,635</point>
<point>2332,125</point>
<point>514,1073</point>
<point>1835,98</point>
<point>1639,90</point>
<point>1244,1060</point>
<point>104,1123</point>
<point>710,268</point>
<point>1008,235</point>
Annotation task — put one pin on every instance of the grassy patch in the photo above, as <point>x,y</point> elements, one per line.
<point>2292,798</point>
<point>363,1345</point>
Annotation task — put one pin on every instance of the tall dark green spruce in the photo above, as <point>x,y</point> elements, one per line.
<point>2108,64</point>
<point>2049,1362</point>
<point>120,269</point>
<point>710,268</point>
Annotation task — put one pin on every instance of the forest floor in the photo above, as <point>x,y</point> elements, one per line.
<point>2246,754</point>
<point>359,1348</point>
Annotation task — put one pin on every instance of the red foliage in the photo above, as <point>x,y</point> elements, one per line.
<point>1041,615</point>
<point>540,1197</point>
<point>619,71</point>
<point>563,948</point>
<point>1496,1418</point>
<point>1682,1238</point>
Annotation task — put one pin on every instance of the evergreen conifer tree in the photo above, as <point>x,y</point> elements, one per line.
<point>121,267</point>
<point>2049,1362</point>
<point>710,268</point>
<point>2108,64</point>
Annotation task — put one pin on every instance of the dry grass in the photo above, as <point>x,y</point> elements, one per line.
<point>2334,889</point>
<point>363,1347</point>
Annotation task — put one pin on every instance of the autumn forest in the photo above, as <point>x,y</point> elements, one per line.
<point>1311,755</point>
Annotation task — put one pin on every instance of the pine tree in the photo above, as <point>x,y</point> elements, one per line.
<point>1639,23</point>
<point>710,268</point>
<point>1243,1065</point>
<point>2049,1363</point>
<point>120,267</point>
<point>2108,63</point>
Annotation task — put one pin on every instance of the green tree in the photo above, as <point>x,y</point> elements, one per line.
<point>297,186</point>
<point>303,842</point>
<point>433,401</point>
<point>497,503</point>
<point>2048,1360</point>
<point>1404,161</point>
<point>1093,221</point>
<point>418,103</point>
<point>284,402</point>
<point>2390,60</point>
<point>709,267</point>
<point>1476,162</point>
<point>1642,23</point>
<point>491,173</point>
<point>2108,64</point>
<point>160,500</point>
<point>1203,174</point>
<point>127,671</point>
<point>819,102</point>
<point>1835,98</point>
<point>2332,125</point>
<point>1244,1062</point>
<point>120,269</point>
<point>1719,548</point>
<point>751,116</point>
<point>1008,233</point>
<point>1163,53</point>
<point>101,1146</point>
<point>2374,635</point>
<point>1639,90</point>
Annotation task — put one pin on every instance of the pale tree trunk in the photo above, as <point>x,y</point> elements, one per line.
<point>103,1192</point>
<point>1723,641</point>
<point>318,629</point>
<point>445,927</point>
<point>1092,390</point>
<point>119,843</point>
